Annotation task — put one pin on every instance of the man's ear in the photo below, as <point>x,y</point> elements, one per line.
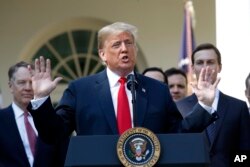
<point>220,68</point>
<point>10,86</point>
<point>102,55</point>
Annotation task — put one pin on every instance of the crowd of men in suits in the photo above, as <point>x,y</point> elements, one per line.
<point>89,105</point>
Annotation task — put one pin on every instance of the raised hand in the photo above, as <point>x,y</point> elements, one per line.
<point>42,82</point>
<point>205,89</point>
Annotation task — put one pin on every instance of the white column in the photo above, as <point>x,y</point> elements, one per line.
<point>233,41</point>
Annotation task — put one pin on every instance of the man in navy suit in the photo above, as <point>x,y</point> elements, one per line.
<point>89,104</point>
<point>232,128</point>
<point>15,150</point>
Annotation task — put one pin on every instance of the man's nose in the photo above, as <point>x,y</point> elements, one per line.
<point>205,65</point>
<point>28,85</point>
<point>124,46</point>
<point>175,89</point>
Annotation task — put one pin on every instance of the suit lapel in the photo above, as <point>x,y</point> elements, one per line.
<point>141,101</point>
<point>221,111</point>
<point>105,99</point>
<point>141,105</point>
<point>14,136</point>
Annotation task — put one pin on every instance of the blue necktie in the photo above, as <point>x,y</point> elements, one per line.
<point>211,131</point>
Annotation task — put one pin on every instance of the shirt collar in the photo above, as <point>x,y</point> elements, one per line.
<point>113,77</point>
<point>17,110</point>
<point>216,99</point>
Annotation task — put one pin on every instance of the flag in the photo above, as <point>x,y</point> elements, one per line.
<point>187,41</point>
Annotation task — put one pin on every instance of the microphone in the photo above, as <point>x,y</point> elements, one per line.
<point>131,82</point>
<point>132,85</point>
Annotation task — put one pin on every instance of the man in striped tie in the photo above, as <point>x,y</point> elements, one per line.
<point>230,133</point>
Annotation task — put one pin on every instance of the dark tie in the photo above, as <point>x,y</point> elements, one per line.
<point>30,133</point>
<point>123,113</point>
<point>211,132</point>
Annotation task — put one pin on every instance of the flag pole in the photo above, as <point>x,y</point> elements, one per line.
<point>188,41</point>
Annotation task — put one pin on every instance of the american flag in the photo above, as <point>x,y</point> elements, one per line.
<point>188,41</point>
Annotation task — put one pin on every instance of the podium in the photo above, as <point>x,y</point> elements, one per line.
<point>177,150</point>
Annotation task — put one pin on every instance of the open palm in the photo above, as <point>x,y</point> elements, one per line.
<point>42,82</point>
<point>204,89</point>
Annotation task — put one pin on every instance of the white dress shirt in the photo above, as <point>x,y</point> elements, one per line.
<point>19,117</point>
<point>114,88</point>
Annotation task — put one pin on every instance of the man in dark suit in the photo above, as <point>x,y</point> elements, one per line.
<point>232,128</point>
<point>90,107</point>
<point>15,149</point>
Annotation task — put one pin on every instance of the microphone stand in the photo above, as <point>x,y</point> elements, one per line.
<point>132,85</point>
<point>134,104</point>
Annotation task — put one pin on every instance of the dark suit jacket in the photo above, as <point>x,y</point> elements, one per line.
<point>87,107</point>
<point>232,127</point>
<point>12,152</point>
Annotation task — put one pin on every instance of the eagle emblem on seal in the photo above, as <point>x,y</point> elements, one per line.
<point>138,147</point>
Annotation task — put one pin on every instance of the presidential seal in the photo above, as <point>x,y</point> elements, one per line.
<point>138,147</point>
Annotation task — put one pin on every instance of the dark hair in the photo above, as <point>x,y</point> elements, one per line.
<point>156,69</point>
<point>247,82</point>
<point>173,71</point>
<point>16,66</point>
<point>206,46</point>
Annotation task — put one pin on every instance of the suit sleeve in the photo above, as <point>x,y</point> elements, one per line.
<point>49,125</point>
<point>197,120</point>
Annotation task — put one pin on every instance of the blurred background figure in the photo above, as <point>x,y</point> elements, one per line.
<point>177,83</point>
<point>155,73</point>
<point>247,91</point>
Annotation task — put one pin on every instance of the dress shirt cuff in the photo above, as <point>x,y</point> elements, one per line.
<point>36,103</point>
<point>209,109</point>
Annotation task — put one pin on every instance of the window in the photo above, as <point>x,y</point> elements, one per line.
<point>72,49</point>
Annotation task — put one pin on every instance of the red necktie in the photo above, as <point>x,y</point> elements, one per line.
<point>30,133</point>
<point>123,113</point>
